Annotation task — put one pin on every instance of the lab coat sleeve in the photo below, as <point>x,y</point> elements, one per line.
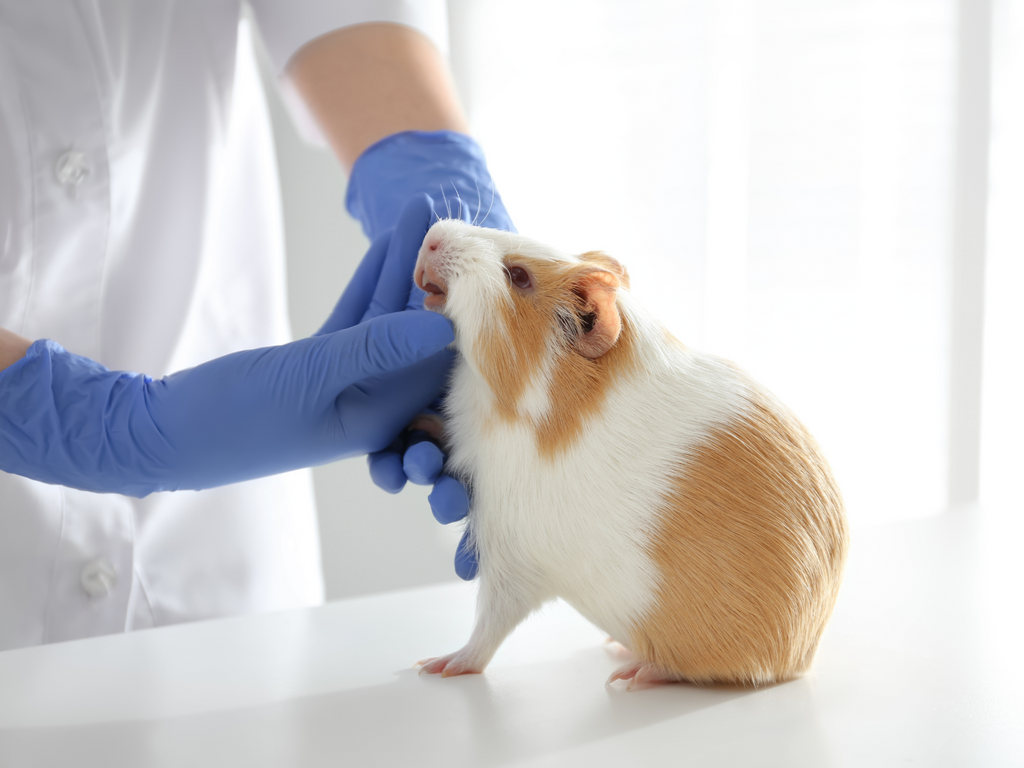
<point>287,25</point>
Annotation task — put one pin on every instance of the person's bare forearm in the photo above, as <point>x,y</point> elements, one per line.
<point>12,348</point>
<point>368,81</point>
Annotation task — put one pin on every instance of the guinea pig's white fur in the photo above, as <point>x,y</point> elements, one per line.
<point>660,491</point>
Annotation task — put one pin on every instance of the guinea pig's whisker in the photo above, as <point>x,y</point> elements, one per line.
<point>458,197</point>
<point>445,199</point>
<point>479,203</point>
<point>490,204</point>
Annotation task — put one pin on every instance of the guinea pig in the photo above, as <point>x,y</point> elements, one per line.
<point>660,491</point>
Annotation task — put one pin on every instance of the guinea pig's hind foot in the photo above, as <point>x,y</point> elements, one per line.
<point>641,674</point>
<point>457,663</point>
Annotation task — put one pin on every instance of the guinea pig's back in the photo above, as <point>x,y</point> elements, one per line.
<point>749,542</point>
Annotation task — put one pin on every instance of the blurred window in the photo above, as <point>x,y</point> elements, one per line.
<point>777,176</point>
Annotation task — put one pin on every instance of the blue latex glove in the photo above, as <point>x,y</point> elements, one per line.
<point>449,166</point>
<point>446,165</point>
<point>68,420</point>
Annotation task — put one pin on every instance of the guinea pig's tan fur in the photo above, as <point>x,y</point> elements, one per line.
<point>729,614</point>
<point>728,567</point>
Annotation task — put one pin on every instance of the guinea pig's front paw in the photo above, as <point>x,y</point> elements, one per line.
<point>458,663</point>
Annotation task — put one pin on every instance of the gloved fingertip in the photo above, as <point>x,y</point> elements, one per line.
<point>423,331</point>
<point>395,289</point>
<point>423,463</point>
<point>449,501</point>
<point>466,563</point>
<point>386,471</point>
<point>418,210</point>
<point>436,328</point>
<point>416,298</point>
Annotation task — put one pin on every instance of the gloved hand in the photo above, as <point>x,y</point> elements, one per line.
<point>410,457</point>
<point>446,165</point>
<point>68,420</point>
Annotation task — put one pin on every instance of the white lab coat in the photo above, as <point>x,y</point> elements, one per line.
<point>140,226</point>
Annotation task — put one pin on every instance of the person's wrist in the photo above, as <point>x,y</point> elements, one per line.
<point>12,348</point>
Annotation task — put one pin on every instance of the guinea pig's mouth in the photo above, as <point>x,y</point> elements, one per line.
<point>433,285</point>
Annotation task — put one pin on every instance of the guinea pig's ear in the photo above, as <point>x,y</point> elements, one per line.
<point>599,316</point>
<point>609,263</point>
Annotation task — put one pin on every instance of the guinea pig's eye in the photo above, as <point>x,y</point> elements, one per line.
<point>520,277</point>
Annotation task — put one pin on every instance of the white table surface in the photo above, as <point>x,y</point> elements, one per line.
<point>921,665</point>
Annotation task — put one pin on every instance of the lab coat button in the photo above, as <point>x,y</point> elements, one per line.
<point>99,578</point>
<point>72,167</point>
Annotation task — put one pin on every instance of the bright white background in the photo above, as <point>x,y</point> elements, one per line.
<point>777,175</point>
